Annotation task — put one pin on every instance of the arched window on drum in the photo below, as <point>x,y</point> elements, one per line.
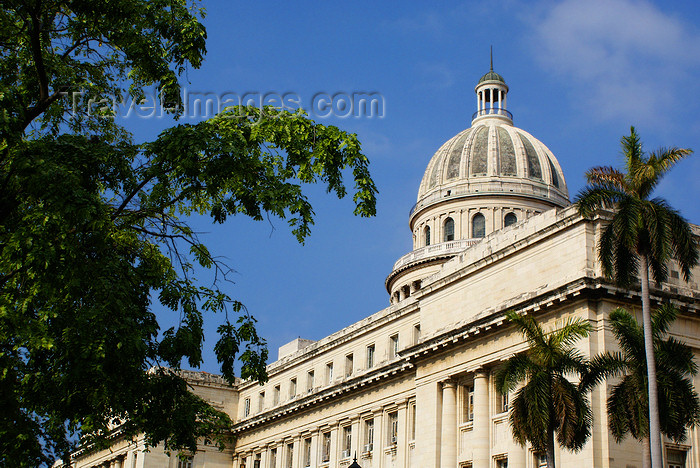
<point>449,230</point>
<point>478,226</point>
<point>510,219</point>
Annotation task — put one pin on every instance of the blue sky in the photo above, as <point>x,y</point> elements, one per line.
<point>580,73</point>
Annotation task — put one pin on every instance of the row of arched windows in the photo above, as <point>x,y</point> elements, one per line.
<point>478,227</point>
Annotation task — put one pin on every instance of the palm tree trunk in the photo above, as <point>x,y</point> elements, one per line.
<point>550,449</point>
<point>654,424</point>
<point>646,456</point>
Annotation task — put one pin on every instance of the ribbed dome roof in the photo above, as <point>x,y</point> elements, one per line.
<point>493,157</point>
<point>492,76</point>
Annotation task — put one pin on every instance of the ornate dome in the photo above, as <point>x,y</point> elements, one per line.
<point>490,157</point>
<point>486,178</point>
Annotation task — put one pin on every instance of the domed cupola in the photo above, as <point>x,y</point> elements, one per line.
<point>483,179</point>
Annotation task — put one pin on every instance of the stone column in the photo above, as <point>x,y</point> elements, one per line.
<point>448,437</point>
<point>355,447</point>
<point>482,424</point>
<point>378,441</point>
<point>118,462</point>
<point>315,448</point>
<point>402,435</point>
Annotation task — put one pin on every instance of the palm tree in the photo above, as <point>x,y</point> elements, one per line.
<point>547,403</point>
<point>628,409</point>
<point>643,235</point>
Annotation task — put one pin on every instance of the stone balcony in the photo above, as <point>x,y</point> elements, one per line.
<point>443,248</point>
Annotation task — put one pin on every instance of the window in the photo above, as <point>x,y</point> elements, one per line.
<point>310,381</point>
<point>257,460</point>
<point>326,447</point>
<point>394,345</point>
<point>449,229</point>
<point>292,388</point>
<point>478,226</point>
<point>134,459</point>
<point>329,373</point>
<point>348,365</point>
<point>502,462</point>
<point>276,395</point>
<point>369,435</point>
<point>468,403</point>
<point>307,451</point>
<point>370,356</point>
<point>540,460</point>
<point>416,333</point>
<point>426,235</point>
<point>393,428</point>
<point>347,441</point>
<point>412,411</point>
<point>675,458</point>
<point>261,402</point>
<point>273,458</point>
<point>184,462</point>
<point>246,408</point>
<point>290,455</point>
<point>510,219</point>
<point>502,402</point>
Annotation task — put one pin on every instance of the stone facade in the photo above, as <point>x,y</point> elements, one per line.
<point>412,386</point>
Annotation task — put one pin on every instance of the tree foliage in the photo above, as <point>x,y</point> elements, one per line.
<point>93,227</point>
<point>547,402</point>
<point>628,403</point>
<point>643,235</point>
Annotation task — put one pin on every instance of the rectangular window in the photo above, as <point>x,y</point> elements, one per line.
<point>468,403</point>
<point>676,458</point>
<point>416,333</point>
<point>326,447</point>
<point>273,458</point>
<point>502,463</point>
<point>184,462</point>
<point>329,373</point>
<point>540,460</point>
<point>348,365</point>
<point>310,381</point>
<point>307,451</point>
<point>502,402</point>
<point>394,346</point>
<point>393,427</point>
<point>276,395</point>
<point>370,356</point>
<point>412,410</point>
<point>347,441</point>
<point>290,455</point>
<point>261,402</point>
<point>369,435</point>
<point>246,408</point>
<point>292,388</point>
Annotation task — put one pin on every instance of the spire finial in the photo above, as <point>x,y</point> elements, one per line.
<point>491,58</point>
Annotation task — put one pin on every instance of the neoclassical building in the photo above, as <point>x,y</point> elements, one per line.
<point>413,384</point>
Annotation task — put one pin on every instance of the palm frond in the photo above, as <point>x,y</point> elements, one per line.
<point>513,371</point>
<point>603,366</point>
<point>573,330</point>
<point>529,327</point>
<point>672,354</point>
<point>606,176</point>
<point>595,197</point>
<point>683,243</point>
<point>633,151</point>
<point>662,318</point>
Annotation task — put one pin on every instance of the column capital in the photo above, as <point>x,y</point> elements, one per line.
<point>481,373</point>
<point>448,383</point>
